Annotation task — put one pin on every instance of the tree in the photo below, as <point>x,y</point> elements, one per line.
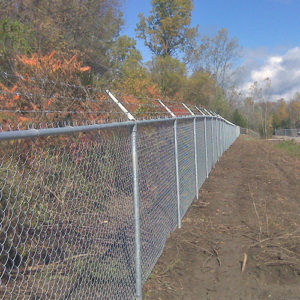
<point>129,74</point>
<point>167,29</point>
<point>86,28</point>
<point>221,105</point>
<point>200,89</point>
<point>217,54</point>
<point>238,119</point>
<point>15,38</point>
<point>169,74</point>
<point>294,111</point>
<point>45,83</point>
<point>125,57</point>
<point>281,116</point>
<point>260,94</point>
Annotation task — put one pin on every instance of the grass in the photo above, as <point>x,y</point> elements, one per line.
<point>290,147</point>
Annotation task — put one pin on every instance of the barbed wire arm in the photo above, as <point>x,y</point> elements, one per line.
<point>122,107</point>
<point>202,113</point>
<point>208,113</point>
<point>188,109</point>
<point>166,108</point>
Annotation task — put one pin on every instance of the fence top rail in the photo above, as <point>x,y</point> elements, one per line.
<point>33,133</point>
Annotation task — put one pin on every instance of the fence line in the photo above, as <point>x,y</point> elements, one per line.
<point>249,132</point>
<point>86,210</point>
<point>288,132</point>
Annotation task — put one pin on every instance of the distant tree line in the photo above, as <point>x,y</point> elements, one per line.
<point>185,64</point>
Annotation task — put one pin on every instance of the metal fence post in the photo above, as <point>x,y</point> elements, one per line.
<point>136,198</point>
<point>196,158</point>
<point>218,143</point>
<point>225,135</point>
<point>177,174</point>
<point>195,148</point>
<point>136,202</point>
<point>176,162</point>
<point>205,139</point>
<point>221,137</point>
<point>212,141</point>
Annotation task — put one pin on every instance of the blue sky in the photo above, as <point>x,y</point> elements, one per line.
<point>265,29</point>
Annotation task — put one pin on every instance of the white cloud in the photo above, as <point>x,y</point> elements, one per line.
<point>282,70</point>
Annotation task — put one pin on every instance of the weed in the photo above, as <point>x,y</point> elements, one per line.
<point>290,147</point>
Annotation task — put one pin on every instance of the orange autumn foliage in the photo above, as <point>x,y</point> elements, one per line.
<point>49,83</point>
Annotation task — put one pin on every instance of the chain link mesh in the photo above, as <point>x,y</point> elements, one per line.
<point>201,155</point>
<point>288,132</point>
<point>209,144</point>
<point>67,223</point>
<point>186,162</point>
<point>67,216</point>
<point>158,201</point>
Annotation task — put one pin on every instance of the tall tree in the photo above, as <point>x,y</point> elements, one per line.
<point>294,111</point>
<point>128,73</point>
<point>14,39</point>
<point>86,27</point>
<point>169,74</point>
<point>200,89</point>
<point>167,29</point>
<point>126,58</point>
<point>281,116</point>
<point>238,119</point>
<point>217,54</point>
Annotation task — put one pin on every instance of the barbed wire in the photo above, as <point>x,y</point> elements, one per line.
<point>31,95</point>
<point>120,94</point>
<point>172,104</point>
<point>9,126</point>
<point>48,97</point>
<point>75,112</point>
<point>57,124</point>
<point>43,80</point>
<point>117,93</point>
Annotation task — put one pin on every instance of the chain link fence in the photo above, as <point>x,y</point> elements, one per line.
<point>86,210</point>
<point>249,132</point>
<point>288,132</point>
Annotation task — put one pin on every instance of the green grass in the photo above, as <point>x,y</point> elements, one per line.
<point>290,147</point>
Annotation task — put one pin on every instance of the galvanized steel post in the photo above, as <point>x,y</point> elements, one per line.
<point>222,139</point>
<point>205,140</point>
<point>212,141</point>
<point>224,136</point>
<point>176,162</point>
<point>196,159</point>
<point>218,143</point>
<point>219,130</point>
<point>195,148</point>
<point>221,135</point>
<point>136,203</point>
<point>177,174</point>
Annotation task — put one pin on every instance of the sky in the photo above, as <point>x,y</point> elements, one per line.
<point>267,30</point>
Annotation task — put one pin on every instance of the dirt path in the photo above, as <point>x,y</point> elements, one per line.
<point>249,207</point>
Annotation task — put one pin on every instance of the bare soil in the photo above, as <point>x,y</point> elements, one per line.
<point>241,239</point>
